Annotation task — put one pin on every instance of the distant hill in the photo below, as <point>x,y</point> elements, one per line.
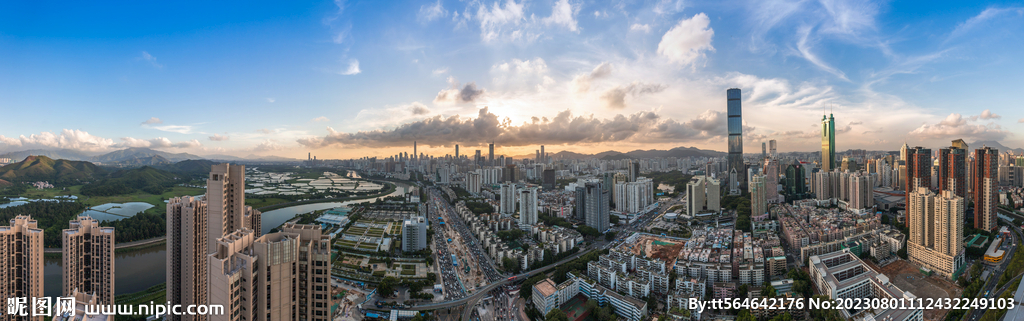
<point>127,181</point>
<point>67,154</point>
<point>996,145</point>
<point>616,155</point>
<point>193,168</point>
<point>4,183</point>
<point>154,160</point>
<point>129,154</point>
<point>253,157</point>
<point>42,168</point>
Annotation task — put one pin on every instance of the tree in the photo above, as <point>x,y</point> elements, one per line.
<point>592,306</point>
<point>556,314</point>
<point>768,292</point>
<point>743,291</point>
<point>613,219</point>
<point>386,288</point>
<point>606,313</point>
<point>609,236</point>
<point>745,316</point>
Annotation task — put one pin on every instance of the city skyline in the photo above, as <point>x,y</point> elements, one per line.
<point>333,79</point>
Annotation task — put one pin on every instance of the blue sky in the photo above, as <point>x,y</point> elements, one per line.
<point>348,79</point>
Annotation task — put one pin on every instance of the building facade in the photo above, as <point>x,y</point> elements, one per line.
<point>21,246</point>
<point>936,231</point>
<point>88,257</point>
<point>414,234</point>
<point>828,143</point>
<point>735,122</point>
<point>984,183</point>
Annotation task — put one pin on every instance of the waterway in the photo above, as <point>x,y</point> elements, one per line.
<point>138,270</point>
<point>133,271</point>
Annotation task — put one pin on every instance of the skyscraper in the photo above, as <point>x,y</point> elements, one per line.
<point>735,123</point>
<point>828,143</point>
<point>952,170</point>
<point>508,199</point>
<point>543,156</point>
<point>985,181</point>
<point>187,230</point>
<point>528,206</point>
<point>490,153</point>
<point>414,154</point>
<point>21,247</point>
<point>771,180</point>
<point>596,207</point>
<point>758,201</point>
<point>773,151</point>
<point>414,234</point>
<point>919,173</point>
<point>634,171</point>
<point>456,151</point>
<point>225,196</point>
<point>88,257</point>
<point>936,230</point>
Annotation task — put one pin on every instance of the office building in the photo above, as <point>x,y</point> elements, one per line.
<point>187,248</point>
<point>21,247</point>
<point>595,207</point>
<point>225,198</point>
<point>985,184</point>
<point>764,150</point>
<point>758,203</point>
<point>634,171</point>
<point>473,182</point>
<point>549,179</point>
<point>735,124</point>
<point>951,172</point>
<point>918,173</point>
<point>528,206</point>
<point>456,151</point>
<point>88,256</point>
<point>795,186</point>
<point>507,205</point>
<point>936,230</point>
<point>842,275</point>
<point>414,234</point>
<point>828,143</point>
<point>490,154</point>
<point>543,156</point>
<point>278,276</point>
<point>773,151</point>
<point>771,180</point>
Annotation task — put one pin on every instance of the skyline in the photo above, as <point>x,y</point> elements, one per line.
<point>344,80</point>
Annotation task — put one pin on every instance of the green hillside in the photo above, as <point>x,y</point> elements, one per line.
<point>146,179</point>
<point>57,172</point>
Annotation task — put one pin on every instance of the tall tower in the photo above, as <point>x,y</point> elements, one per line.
<point>773,149</point>
<point>596,206</point>
<point>764,150</point>
<point>187,229</point>
<point>414,154</point>
<point>543,156</point>
<point>225,196</point>
<point>21,247</point>
<point>735,113</point>
<point>936,230</point>
<point>88,255</point>
<point>528,206</point>
<point>490,153</point>
<point>952,173</point>
<point>985,180</point>
<point>828,143</point>
<point>456,151</point>
<point>919,173</point>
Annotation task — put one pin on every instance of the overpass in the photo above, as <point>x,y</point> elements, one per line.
<point>483,291</point>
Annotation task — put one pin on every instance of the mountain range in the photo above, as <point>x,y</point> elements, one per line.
<point>651,153</point>
<point>42,168</point>
<point>133,157</point>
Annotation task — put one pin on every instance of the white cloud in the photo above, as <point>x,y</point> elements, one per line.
<point>986,15</point>
<point>564,13</point>
<point>805,51</point>
<point>1021,120</point>
<point>440,71</point>
<point>581,83</point>
<point>270,100</point>
<point>688,40</point>
<point>955,125</point>
<point>181,129</point>
<point>615,98</point>
<point>500,20</point>
<point>219,138</point>
<point>267,146</point>
<point>640,27</point>
<point>68,138</point>
<point>265,131</point>
<point>455,94</point>
<point>320,119</point>
<point>430,13</point>
<point>153,120</point>
<point>988,114</point>
<point>150,59</point>
<point>353,68</point>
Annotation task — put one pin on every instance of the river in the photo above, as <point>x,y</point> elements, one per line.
<point>140,269</point>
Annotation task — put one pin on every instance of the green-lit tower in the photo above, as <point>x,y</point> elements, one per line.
<point>828,143</point>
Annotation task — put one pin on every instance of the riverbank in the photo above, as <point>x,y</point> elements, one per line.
<point>391,189</point>
<point>120,247</point>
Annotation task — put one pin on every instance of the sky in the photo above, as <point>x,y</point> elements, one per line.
<point>347,79</point>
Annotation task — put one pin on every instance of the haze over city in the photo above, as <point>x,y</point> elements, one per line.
<point>351,79</point>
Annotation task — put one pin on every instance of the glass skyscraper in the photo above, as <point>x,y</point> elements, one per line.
<point>828,143</point>
<point>736,140</point>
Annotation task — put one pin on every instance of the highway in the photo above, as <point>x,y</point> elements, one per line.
<point>483,291</point>
<point>976,314</point>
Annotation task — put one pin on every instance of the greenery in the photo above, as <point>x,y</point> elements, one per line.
<point>554,221</point>
<point>511,265</point>
<point>51,217</point>
<point>676,179</point>
<point>576,266</point>
<point>556,314</point>
<point>588,231</point>
<point>1014,268</point>
<point>146,179</point>
<point>741,204</point>
<point>613,219</point>
<point>801,282</point>
<point>142,226</point>
<point>510,235</point>
<point>609,236</point>
<point>479,207</point>
<point>386,287</point>
<point>58,172</point>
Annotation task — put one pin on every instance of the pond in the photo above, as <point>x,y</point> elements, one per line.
<point>134,271</point>
<point>116,211</point>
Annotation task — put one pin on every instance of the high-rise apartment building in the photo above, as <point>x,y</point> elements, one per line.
<point>548,179</point>
<point>758,201</point>
<point>414,234</point>
<point>735,124</point>
<point>225,197</point>
<point>595,206</point>
<point>704,195</point>
<point>21,247</point>
<point>88,257</point>
<point>936,230</point>
<point>490,153</point>
<point>473,183</point>
<point>918,174</point>
<point>633,197</point>
<point>634,171</point>
<point>528,206</point>
<point>828,143</point>
<point>771,180</point>
<point>187,231</point>
<point>951,172</point>
<point>278,276</point>
<point>985,183</point>
<point>861,192</point>
<point>507,205</point>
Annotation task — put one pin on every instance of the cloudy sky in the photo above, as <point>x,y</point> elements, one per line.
<point>348,79</point>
